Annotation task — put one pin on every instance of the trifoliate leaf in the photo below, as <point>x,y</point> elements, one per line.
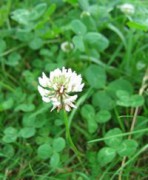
<point>113,140</point>
<point>96,76</point>
<point>103,116</point>
<point>78,27</point>
<point>103,100</point>
<point>96,39</point>
<point>127,148</point>
<point>27,132</point>
<point>44,151</point>
<point>11,135</point>
<point>55,159</point>
<point>58,144</point>
<point>106,155</point>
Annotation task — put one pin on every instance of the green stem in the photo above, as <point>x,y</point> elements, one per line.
<point>119,120</point>
<point>68,136</point>
<point>7,86</point>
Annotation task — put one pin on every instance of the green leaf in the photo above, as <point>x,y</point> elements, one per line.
<point>29,78</point>
<point>27,132</point>
<point>103,100</point>
<point>100,12</point>
<point>37,11</point>
<point>13,59</point>
<point>78,43</point>
<point>58,122</point>
<point>2,176</point>
<point>25,107</point>
<point>2,45</point>
<point>24,36</point>
<point>78,27</point>
<point>55,159</point>
<point>44,151</point>
<point>122,94</point>
<point>136,100</point>
<point>96,76</point>
<point>45,52</point>
<point>72,2</point>
<point>51,9</point>
<point>8,151</point>
<point>96,39</point>
<point>84,4</point>
<point>88,113</point>
<point>40,121</point>
<point>106,155</point>
<point>10,135</point>
<point>7,104</point>
<point>138,25</point>
<point>127,148</point>
<point>120,84</point>
<point>113,140</point>
<point>19,95</point>
<point>28,120</point>
<point>124,99</point>
<point>21,16</point>
<point>58,144</point>
<point>25,16</point>
<point>103,116</point>
<point>43,140</point>
<point>36,43</point>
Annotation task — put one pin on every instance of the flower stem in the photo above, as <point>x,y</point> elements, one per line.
<point>68,137</point>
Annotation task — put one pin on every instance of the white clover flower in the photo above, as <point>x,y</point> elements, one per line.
<point>66,46</point>
<point>58,88</point>
<point>85,13</point>
<point>127,8</point>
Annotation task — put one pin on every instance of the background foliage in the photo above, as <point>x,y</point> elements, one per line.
<point>110,51</point>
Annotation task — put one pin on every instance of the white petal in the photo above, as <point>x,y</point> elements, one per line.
<point>56,103</point>
<point>46,99</point>
<point>73,106</point>
<point>67,108</point>
<point>80,87</point>
<point>53,108</point>
<point>55,73</point>
<point>44,81</point>
<point>44,75</point>
<point>42,91</point>
<point>68,102</point>
<point>73,98</point>
<point>64,71</point>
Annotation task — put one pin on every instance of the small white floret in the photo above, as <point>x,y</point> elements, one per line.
<point>127,8</point>
<point>66,46</point>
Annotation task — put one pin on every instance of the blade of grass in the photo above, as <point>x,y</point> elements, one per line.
<point>119,135</point>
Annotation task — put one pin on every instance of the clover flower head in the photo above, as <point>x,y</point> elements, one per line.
<point>67,46</point>
<point>58,87</point>
<point>127,8</point>
<point>85,14</point>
